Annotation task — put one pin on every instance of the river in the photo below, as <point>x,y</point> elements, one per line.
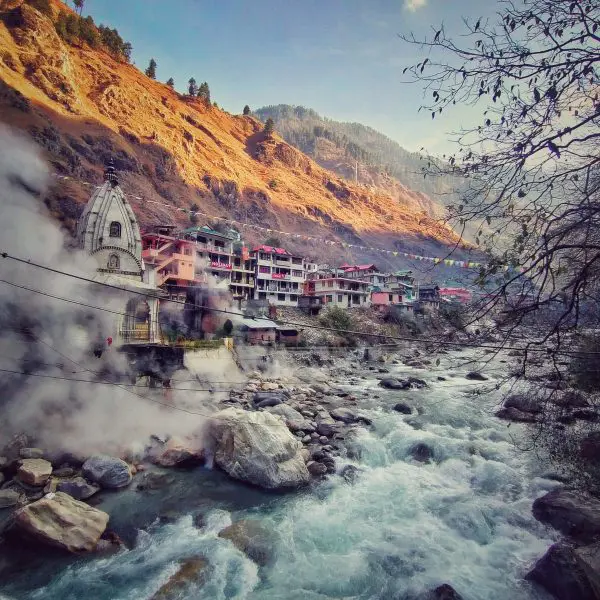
<point>401,528</point>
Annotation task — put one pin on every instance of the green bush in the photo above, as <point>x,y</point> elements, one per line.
<point>336,317</point>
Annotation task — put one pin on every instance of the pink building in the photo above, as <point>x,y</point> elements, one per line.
<point>385,298</point>
<point>456,294</point>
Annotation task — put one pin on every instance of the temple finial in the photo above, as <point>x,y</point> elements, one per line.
<point>110,173</point>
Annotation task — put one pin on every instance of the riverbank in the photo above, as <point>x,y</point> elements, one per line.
<point>412,488</point>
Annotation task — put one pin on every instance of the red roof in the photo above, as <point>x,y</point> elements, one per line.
<point>270,249</point>
<point>358,268</point>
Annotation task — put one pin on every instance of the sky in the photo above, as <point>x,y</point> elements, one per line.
<point>342,58</point>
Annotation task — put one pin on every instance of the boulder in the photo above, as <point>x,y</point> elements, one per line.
<point>262,396</point>
<point>31,453</point>
<point>569,573</point>
<point>421,452</point>
<point>286,411</point>
<point>514,414</point>
<point>589,447</point>
<point>274,401</point>
<point>391,383</point>
<point>572,513</point>
<point>475,376</point>
<point>345,415</point>
<point>350,473</point>
<point>256,447</point>
<point>316,468</point>
<point>9,498</point>
<point>442,592</point>
<point>191,573</point>
<point>107,471</point>
<point>34,471</point>
<point>176,453</point>
<point>326,429</point>
<point>253,539</point>
<point>79,488</point>
<point>60,520</point>
<point>403,408</point>
<point>523,403</point>
<point>415,382</point>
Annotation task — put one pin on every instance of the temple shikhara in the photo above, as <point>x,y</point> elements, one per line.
<point>109,232</point>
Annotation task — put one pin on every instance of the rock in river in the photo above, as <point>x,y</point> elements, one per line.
<point>61,521</point>
<point>514,414</point>
<point>9,498</point>
<point>192,572</point>
<point>572,513</point>
<point>107,471</point>
<point>79,488</point>
<point>391,383</point>
<point>403,408</point>
<point>475,376</point>
<point>569,573</point>
<point>252,538</point>
<point>258,448</point>
<point>34,471</point>
<point>523,403</point>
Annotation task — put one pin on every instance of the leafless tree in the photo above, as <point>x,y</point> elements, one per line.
<point>532,164</point>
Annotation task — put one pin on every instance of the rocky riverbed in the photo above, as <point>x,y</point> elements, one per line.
<point>382,478</point>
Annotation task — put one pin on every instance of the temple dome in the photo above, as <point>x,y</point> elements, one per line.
<point>109,231</point>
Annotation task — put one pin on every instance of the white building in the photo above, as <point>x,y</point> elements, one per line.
<point>280,276</point>
<point>109,232</point>
<point>335,288</point>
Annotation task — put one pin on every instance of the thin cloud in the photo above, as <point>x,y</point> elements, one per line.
<point>414,5</point>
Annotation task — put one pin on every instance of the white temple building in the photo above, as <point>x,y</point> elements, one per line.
<point>109,232</point>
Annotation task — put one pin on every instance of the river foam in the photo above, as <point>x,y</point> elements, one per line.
<point>401,528</point>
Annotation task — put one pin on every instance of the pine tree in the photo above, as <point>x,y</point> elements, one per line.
<point>151,70</point>
<point>204,92</point>
<point>79,5</point>
<point>192,87</point>
<point>269,127</point>
<point>246,110</point>
<point>88,32</point>
<point>171,82</point>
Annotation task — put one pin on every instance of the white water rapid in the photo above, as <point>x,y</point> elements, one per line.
<point>402,528</point>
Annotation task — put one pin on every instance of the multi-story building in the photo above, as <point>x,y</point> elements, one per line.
<point>403,283</point>
<point>336,289</point>
<point>171,261</point>
<point>280,276</point>
<point>225,257</point>
<point>369,273</point>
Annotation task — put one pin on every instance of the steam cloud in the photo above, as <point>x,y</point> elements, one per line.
<point>45,336</point>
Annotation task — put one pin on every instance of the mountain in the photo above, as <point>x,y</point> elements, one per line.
<point>357,152</point>
<point>69,87</point>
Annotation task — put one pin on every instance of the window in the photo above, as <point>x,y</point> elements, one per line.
<point>328,298</point>
<point>114,262</point>
<point>391,297</point>
<point>296,273</point>
<point>264,269</point>
<point>330,283</point>
<point>340,298</point>
<point>293,297</point>
<point>281,297</point>
<point>115,229</point>
<point>262,295</point>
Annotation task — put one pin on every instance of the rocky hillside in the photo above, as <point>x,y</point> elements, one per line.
<point>83,106</point>
<point>358,152</point>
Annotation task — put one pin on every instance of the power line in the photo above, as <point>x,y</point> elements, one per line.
<point>286,322</point>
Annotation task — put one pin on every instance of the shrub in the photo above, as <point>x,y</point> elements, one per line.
<point>455,314</point>
<point>273,184</point>
<point>42,6</point>
<point>336,317</point>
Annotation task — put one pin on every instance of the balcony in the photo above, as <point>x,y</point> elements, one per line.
<point>280,276</point>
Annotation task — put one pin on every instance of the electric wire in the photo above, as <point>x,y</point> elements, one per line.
<point>5,255</point>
